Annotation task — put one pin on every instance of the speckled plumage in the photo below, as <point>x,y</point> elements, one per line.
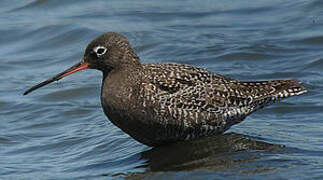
<point>159,103</point>
<point>201,103</point>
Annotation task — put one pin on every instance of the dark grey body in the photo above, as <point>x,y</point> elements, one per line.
<point>159,103</point>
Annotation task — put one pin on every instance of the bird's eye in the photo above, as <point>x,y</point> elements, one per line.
<point>100,50</point>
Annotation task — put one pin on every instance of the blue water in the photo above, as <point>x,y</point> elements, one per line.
<point>60,131</point>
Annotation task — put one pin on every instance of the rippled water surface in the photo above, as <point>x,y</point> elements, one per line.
<point>60,131</point>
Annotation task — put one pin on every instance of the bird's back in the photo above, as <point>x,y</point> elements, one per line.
<point>198,102</point>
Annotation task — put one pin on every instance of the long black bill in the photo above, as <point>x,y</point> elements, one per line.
<point>77,67</point>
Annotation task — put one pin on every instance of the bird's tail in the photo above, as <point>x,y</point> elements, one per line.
<point>267,92</point>
<point>287,88</point>
<point>258,94</point>
<point>276,88</point>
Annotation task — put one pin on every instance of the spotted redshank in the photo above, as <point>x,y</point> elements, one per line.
<point>160,103</point>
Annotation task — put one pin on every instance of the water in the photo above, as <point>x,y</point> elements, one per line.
<point>60,131</point>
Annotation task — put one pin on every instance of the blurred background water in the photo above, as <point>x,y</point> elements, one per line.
<point>60,131</point>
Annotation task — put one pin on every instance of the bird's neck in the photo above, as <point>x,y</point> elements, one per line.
<point>120,89</point>
<point>127,76</point>
<point>131,70</point>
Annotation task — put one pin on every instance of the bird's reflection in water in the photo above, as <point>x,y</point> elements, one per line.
<point>213,152</point>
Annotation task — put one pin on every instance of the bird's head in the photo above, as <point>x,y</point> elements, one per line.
<point>107,52</point>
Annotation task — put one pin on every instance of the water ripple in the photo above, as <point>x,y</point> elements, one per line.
<point>61,132</point>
